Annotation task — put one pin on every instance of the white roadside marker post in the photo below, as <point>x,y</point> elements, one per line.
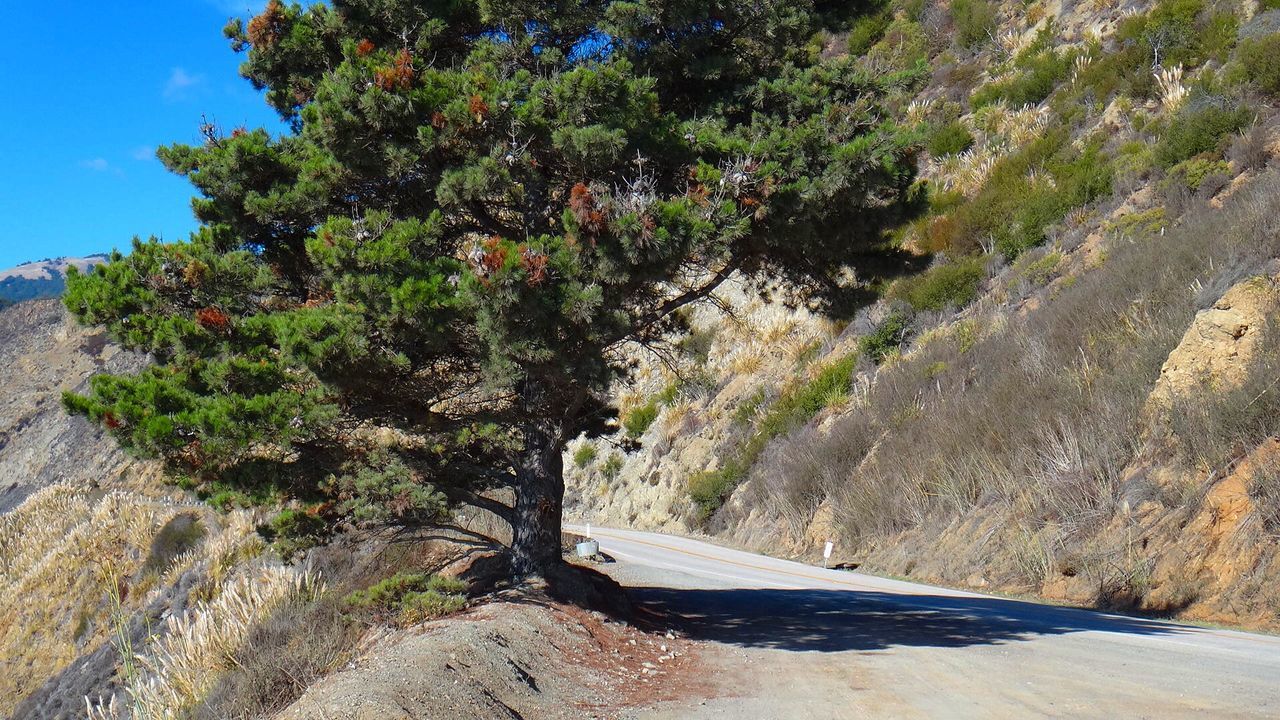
<point>826,553</point>
<point>588,531</point>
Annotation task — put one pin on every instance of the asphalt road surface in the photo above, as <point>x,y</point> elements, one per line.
<point>788,640</point>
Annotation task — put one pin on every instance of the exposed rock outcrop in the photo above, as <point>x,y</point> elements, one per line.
<point>44,352</point>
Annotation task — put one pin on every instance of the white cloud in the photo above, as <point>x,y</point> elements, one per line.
<point>144,152</point>
<point>101,165</point>
<point>180,83</point>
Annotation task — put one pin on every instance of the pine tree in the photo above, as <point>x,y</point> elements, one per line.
<point>419,293</point>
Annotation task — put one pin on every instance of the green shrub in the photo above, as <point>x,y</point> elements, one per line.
<point>710,489</point>
<point>1014,210</point>
<point>903,47</point>
<point>293,531</point>
<point>411,597</point>
<point>951,285</point>
<point>584,455</point>
<point>1199,127</point>
<point>1260,58</point>
<point>639,418</point>
<point>867,31</point>
<point>975,20</point>
<point>885,339</point>
<point>1040,271</point>
<point>948,139</point>
<point>612,466</point>
<point>793,408</point>
<point>799,404</point>
<point>1192,173</point>
<point>1036,80</point>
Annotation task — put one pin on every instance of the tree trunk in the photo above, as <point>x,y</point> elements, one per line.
<point>535,542</point>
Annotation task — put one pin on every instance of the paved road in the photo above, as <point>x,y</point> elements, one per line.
<point>789,640</point>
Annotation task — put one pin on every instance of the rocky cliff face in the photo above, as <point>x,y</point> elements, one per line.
<point>43,352</point>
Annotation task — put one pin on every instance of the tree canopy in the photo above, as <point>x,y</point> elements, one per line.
<point>420,293</point>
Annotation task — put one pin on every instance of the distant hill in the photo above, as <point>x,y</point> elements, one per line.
<point>41,279</point>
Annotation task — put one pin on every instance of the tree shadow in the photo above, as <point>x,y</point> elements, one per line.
<point>836,621</point>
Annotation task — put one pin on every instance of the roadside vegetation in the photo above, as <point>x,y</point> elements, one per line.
<point>1084,202</point>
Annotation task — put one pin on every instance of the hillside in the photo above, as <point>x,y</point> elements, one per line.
<point>1058,378</point>
<point>1076,399</point>
<point>41,279</point>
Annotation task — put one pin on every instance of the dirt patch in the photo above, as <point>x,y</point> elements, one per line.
<point>520,655</point>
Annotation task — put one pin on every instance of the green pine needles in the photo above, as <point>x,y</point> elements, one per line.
<point>418,295</point>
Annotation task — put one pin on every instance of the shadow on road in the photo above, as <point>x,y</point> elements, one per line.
<point>833,621</point>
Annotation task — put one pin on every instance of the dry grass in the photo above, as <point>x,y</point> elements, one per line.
<point>198,647</point>
<point>94,563</point>
<point>49,547</point>
<point>1042,414</point>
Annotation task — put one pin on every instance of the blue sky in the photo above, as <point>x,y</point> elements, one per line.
<point>91,89</point>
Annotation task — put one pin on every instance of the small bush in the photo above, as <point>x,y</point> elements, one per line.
<point>1198,128</point>
<point>293,531</point>
<point>793,408</point>
<point>903,47</point>
<point>975,21</point>
<point>710,489</point>
<point>867,31</point>
<point>1038,77</point>
<point>697,344</point>
<point>948,139</point>
<point>950,285</point>
<point>799,404</point>
<point>410,598</point>
<point>1019,202</point>
<point>1193,173</point>
<point>638,419</point>
<point>1249,149</point>
<point>886,339</point>
<point>612,466</point>
<point>584,455</point>
<point>422,606</point>
<point>1261,60</point>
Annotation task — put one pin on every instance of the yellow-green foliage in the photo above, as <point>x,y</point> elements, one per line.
<point>1260,58</point>
<point>584,455</point>
<point>1192,173</point>
<point>411,597</point>
<point>1039,271</point>
<point>796,406</point>
<point>953,284</point>
<point>1139,223</point>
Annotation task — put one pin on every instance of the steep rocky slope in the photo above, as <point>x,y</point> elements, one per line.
<point>1077,399</point>
<point>42,353</point>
